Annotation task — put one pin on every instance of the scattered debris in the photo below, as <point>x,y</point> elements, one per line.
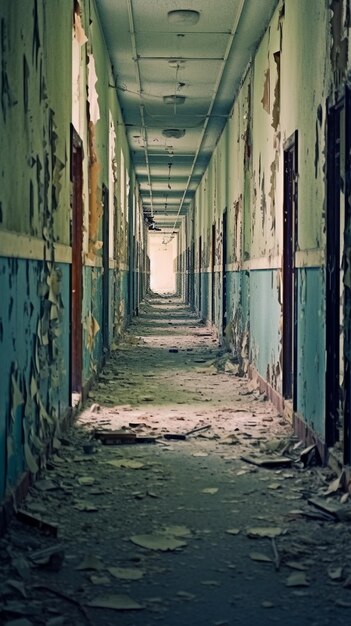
<point>91,562</point>
<point>126,463</point>
<point>335,512</point>
<point>269,532</point>
<point>48,528</point>
<point>260,557</point>
<point>117,437</point>
<point>310,456</point>
<point>50,558</point>
<point>118,602</point>
<point>158,542</point>
<point>126,573</point>
<point>268,461</point>
<point>297,580</point>
<point>335,573</point>
<point>183,436</point>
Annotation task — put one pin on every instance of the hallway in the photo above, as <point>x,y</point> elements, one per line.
<point>166,530</point>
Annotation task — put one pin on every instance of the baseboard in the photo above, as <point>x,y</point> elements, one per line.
<point>302,430</point>
<point>266,388</point>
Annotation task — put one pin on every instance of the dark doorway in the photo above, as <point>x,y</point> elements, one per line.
<point>224,272</point>
<point>105,269</point>
<point>213,276</point>
<point>347,286</point>
<point>338,289</point>
<point>200,277</point>
<point>289,276</point>
<point>77,266</point>
<point>192,271</point>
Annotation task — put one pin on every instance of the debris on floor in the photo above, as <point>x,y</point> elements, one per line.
<point>236,524</point>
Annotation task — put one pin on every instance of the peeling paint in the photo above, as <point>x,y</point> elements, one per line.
<point>95,200</point>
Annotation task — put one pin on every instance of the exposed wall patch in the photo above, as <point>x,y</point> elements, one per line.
<point>25,84</point>
<point>276,103</point>
<point>340,43</point>
<point>36,34</point>
<point>94,109</point>
<point>266,98</point>
<point>79,32</point>
<point>95,202</point>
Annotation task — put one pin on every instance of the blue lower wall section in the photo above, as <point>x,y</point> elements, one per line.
<point>205,295</point>
<point>238,313</point>
<point>92,321</point>
<point>265,325</point>
<point>34,368</point>
<point>311,348</point>
<point>254,305</point>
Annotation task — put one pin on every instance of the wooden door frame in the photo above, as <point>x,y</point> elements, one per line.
<point>76,276</point>
<point>200,272</point>
<point>347,288</point>
<point>334,237</point>
<point>105,269</point>
<point>290,229</point>
<point>332,272</point>
<point>224,271</point>
<point>213,278</point>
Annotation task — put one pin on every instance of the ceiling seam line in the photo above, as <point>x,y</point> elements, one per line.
<point>141,106</point>
<point>219,79</point>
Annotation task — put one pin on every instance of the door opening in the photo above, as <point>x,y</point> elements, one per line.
<point>105,267</point>
<point>76,267</point>
<point>224,272</point>
<point>289,275</point>
<point>200,277</point>
<point>338,291</point>
<point>163,253</point>
<point>213,276</point>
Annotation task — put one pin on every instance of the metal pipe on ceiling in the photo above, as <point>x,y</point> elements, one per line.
<point>213,99</point>
<point>141,106</point>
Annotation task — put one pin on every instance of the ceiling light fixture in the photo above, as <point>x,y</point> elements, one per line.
<point>174,99</point>
<point>183,16</point>
<point>174,132</point>
<point>176,63</point>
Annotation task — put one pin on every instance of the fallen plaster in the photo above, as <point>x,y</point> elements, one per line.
<point>146,518</point>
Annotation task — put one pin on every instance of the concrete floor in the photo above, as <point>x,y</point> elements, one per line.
<point>196,499</point>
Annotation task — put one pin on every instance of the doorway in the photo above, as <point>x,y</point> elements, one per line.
<point>163,253</point>
<point>338,288</point>
<point>224,272</point>
<point>200,277</point>
<point>213,276</point>
<point>105,270</point>
<point>290,215</point>
<point>77,266</point>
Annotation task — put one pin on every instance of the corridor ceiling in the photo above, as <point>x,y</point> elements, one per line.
<point>177,65</point>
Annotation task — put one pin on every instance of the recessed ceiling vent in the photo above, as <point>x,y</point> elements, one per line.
<point>174,99</point>
<point>183,16</point>
<point>174,132</point>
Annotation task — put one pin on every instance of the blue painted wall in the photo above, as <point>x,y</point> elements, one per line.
<point>238,314</point>
<point>311,348</point>
<point>37,356</point>
<point>265,317</point>
<point>205,295</point>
